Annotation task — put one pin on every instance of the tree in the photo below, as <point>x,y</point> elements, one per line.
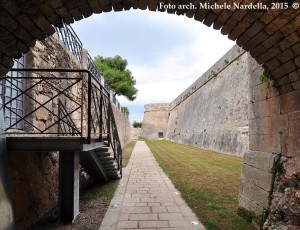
<point>117,76</point>
<point>137,124</point>
<point>126,110</point>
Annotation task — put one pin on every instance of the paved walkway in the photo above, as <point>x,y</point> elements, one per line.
<point>147,199</point>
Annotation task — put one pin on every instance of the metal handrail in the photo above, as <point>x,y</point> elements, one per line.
<point>71,41</point>
<point>71,98</point>
<point>93,68</point>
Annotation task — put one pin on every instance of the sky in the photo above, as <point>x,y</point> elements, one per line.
<point>166,53</point>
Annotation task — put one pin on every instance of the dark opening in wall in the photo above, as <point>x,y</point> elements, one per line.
<point>160,135</point>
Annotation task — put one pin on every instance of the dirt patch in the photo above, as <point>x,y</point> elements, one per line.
<point>92,212</point>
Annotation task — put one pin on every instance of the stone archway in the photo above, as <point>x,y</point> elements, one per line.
<point>273,40</point>
<point>271,37</point>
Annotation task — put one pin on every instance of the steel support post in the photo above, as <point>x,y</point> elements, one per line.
<point>69,169</point>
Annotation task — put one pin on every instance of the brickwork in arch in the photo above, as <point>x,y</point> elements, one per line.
<point>271,36</point>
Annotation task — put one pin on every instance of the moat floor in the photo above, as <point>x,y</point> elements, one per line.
<point>147,199</point>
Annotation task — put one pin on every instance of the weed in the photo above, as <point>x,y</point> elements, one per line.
<point>248,215</point>
<point>211,225</point>
<point>264,77</point>
<point>107,190</point>
<point>213,73</point>
<point>278,167</point>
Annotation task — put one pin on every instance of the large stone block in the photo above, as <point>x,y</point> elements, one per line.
<point>294,76</point>
<point>285,89</point>
<point>284,69</point>
<point>250,205</point>
<point>283,81</point>
<point>290,102</point>
<point>261,160</point>
<point>269,125</point>
<point>286,56</point>
<point>260,178</point>
<point>264,91</point>
<point>288,41</point>
<point>265,143</point>
<point>255,193</point>
<point>42,114</point>
<point>272,64</point>
<point>266,108</point>
<point>291,143</point>
<point>268,55</point>
<point>296,85</point>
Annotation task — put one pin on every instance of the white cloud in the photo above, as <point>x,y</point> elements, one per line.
<point>166,53</point>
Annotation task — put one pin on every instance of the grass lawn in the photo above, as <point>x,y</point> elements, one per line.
<point>208,182</point>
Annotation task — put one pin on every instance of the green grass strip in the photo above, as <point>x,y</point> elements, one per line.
<point>208,182</point>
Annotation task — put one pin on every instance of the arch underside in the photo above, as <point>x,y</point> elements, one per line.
<point>271,36</point>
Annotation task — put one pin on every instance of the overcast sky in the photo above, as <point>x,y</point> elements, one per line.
<point>166,53</point>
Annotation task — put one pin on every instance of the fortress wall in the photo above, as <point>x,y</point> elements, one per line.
<point>155,121</point>
<point>123,125</point>
<point>229,110</point>
<point>213,112</point>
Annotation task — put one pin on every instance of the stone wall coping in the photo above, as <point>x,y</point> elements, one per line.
<point>226,60</point>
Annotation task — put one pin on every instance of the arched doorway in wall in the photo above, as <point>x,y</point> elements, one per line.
<point>271,38</point>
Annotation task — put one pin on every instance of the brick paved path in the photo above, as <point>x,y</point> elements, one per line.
<point>146,198</point>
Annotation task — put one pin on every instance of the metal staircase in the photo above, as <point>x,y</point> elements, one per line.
<point>86,116</point>
<point>64,110</point>
<point>99,162</point>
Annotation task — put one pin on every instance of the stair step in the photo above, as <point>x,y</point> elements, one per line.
<point>102,149</point>
<point>109,165</point>
<point>116,173</point>
<point>103,155</point>
<point>106,159</point>
<point>111,170</point>
<point>115,176</point>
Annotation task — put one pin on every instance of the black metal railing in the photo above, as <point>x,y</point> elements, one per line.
<point>71,41</point>
<point>114,139</point>
<point>65,102</point>
<point>93,68</point>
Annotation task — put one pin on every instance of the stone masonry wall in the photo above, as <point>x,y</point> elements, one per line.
<point>270,181</point>
<point>123,125</point>
<point>34,183</point>
<point>34,176</point>
<point>213,112</point>
<point>155,121</point>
